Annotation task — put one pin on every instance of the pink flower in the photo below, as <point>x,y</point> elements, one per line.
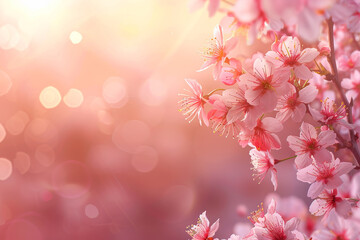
<point>330,114</point>
<point>216,54</point>
<point>274,227</point>
<point>287,53</point>
<point>328,201</point>
<point>263,137</point>
<point>202,230</point>
<point>193,105</point>
<point>218,116</point>
<point>337,228</point>
<point>264,84</point>
<point>230,75</point>
<point>240,108</point>
<point>352,84</point>
<point>263,162</point>
<point>324,175</point>
<point>346,63</point>
<point>311,144</point>
<point>213,5</point>
<point>293,104</point>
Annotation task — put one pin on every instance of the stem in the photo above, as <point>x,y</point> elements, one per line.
<point>282,160</point>
<point>335,79</point>
<point>213,91</point>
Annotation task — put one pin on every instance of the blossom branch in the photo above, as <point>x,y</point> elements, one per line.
<point>335,79</point>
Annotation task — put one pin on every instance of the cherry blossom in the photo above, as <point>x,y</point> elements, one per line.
<point>311,144</point>
<point>273,226</point>
<point>293,104</point>
<point>263,162</point>
<point>287,53</point>
<point>263,135</point>
<point>229,75</point>
<point>202,230</point>
<point>352,84</point>
<point>330,201</point>
<point>193,105</point>
<point>264,84</point>
<point>337,228</point>
<point>330,114</point>
<point>240,108</point>
<point>218,51</point>
<point>325,175</point>
<point>346,63</point>
<point>218,116</point>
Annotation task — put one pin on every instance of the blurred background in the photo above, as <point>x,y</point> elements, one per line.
<point>92,145</point>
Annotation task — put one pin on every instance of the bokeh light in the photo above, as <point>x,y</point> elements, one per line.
<point>6,169</point>
<point>50,97</point>
<point>73,98</point>
<point>91,211</point>
<point>75,37</point>
<point>5,83</point>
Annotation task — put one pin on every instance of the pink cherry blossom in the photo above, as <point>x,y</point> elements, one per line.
<point>287,53</point>
<point>192,104</point>
<point>346,63</point>
<point>263,136</point>
<point>229,75</point>
<point>329,201</point>
<point>240,108</point>
<point>337,228</point>
<point>330,114</point>
<point>311,144</point>
<point>264,84</point>
<point>212,7</point>
<point>263,162</point>
<point>352,84</point>
<point>324,175</point>
<point>218,51</point>
<point>293,104</point>
<point>218,116</point>
<point>274,227</point>
<point>202,230</point>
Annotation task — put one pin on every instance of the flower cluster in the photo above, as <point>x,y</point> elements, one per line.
<point>310,77</point>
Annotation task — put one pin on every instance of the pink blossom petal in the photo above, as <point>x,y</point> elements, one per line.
<point>284,114</point>
<point>299,113</point>
<point>272,124</point>
<point>262,68</point>
<point>292,224</point>
<point>308,55</point>
<point>230,44</point>
<point>315,189</point>
<point>347,83</point>
<point>213,6</point>
<point>273,57</point>
<point>207,64</point>
<point>355,186</point>
<point>307,131</point>
<point>303,72</point>
<point>343,168</point>
<point>343,208</point>
<point>195,4</point>
<point>295,143</point>
<point>214,228</point>
<point>218,35</point>
<point>303,160</point>
<point>272,207</point>
<point>316,207</point>
<point>333,183</point>
<point>304,176</point>
<point>309,25</point>
<point>322,155</point>
<point>308,94</point>
<point>246,10</point>
<point>327,138</point>
<point>315,113</point>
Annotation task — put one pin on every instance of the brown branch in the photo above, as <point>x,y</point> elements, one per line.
<point>335,79</point>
